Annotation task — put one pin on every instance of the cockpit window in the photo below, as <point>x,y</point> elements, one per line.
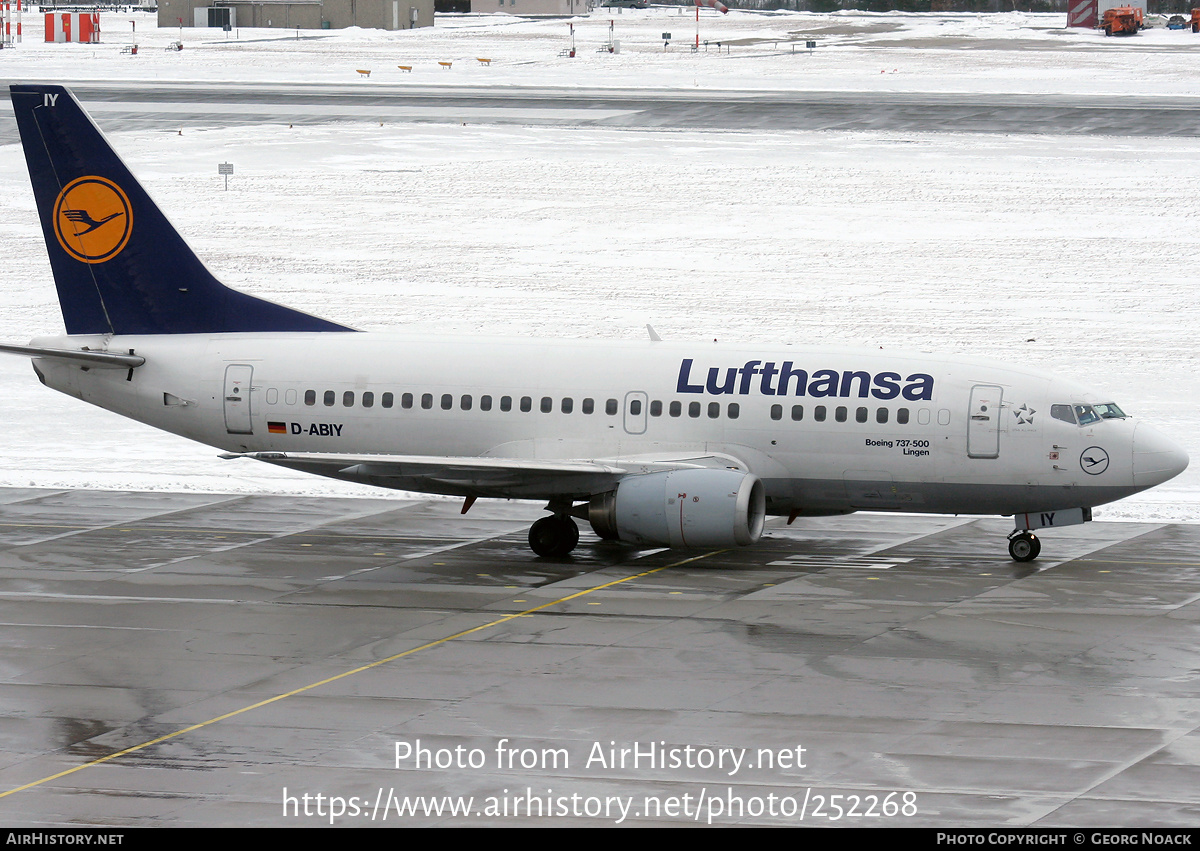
<point>1063,412</point>
<point>1087,414</point>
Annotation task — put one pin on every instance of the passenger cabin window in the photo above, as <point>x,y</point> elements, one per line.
<point>656,408</point>
<point>506,403</point>
<point>447,401</point>
<point>547,405</point>
<point>676,409</point>
<point>348,399</point>
<point>797,413</point>
<point>526,404</point>
<point>819,413</point>
<point>610,407</point>
<point>881,415</point>
<point>735,410</point>
<point>777,412</point>
<point>589,406</point>
<point>635,407</point>
<point>465,402</point>
<point>368,399</point>
<point>902,416</point>
<point>330,398</point>
<point>387,398</point>
<point>426,401</point>
<point>310,397</point>
<point>693,409</point>
<point>485,403</point>
<point>714,410</point>
<point>860,415</point>
<point>839,413</point>
<point>568,405</point>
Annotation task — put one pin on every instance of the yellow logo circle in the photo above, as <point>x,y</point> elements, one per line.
<point>92,219</point>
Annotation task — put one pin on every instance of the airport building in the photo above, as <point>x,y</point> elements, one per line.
<point>532,7</point>
<point>297,14</point>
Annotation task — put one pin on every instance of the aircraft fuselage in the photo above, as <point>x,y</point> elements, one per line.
<point>826,430</point>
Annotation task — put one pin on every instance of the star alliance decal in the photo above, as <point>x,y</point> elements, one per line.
<point>1024,415</point>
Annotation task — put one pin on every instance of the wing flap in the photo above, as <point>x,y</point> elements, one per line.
<point>509,478</point>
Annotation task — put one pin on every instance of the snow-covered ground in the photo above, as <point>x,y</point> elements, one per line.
<point>1070,253</point>
<point>857,51</point>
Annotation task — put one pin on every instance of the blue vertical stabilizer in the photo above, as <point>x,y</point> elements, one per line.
<point>119,265</point>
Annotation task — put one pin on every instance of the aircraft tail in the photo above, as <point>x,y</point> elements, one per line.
<point>120,267</point>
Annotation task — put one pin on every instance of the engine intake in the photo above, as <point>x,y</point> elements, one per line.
<point>682,508</point>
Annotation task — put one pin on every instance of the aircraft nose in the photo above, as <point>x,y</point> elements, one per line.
<point>1156,458</point>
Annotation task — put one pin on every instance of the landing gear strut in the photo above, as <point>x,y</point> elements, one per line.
<point>1023,545</point>
<point>555,535</point>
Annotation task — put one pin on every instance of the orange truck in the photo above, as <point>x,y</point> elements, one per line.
<point>1122,20</point>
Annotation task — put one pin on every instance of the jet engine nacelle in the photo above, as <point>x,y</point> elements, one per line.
<point>682,508</point>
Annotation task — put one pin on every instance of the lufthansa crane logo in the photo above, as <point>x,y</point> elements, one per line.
<point>92,219</point>
<point>1094,460</point>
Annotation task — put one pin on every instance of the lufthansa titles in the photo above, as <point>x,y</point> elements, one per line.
<point>786,379</point>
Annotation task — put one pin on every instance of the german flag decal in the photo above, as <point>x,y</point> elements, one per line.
<point>277,428</point>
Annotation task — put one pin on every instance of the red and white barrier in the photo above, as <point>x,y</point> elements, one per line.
<point>1082,13</point>
<point>10,22</point>
<point>82,27</point>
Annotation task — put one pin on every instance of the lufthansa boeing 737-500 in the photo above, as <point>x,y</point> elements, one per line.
<point>656,443</point>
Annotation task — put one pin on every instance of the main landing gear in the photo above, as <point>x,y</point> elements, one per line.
<point>553,536</point>
<point>1023,545</point>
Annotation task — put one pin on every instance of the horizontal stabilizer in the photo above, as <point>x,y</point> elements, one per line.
<point>100,360</point>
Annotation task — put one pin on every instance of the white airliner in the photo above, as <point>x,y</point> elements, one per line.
<point>666,444</point>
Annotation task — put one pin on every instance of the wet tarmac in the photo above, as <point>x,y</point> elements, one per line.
<point>208,659</point>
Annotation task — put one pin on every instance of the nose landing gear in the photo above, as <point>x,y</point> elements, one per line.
<point>1023,545</point>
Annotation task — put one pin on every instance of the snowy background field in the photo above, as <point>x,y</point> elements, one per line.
<point>1074,254</point>
<point>857,51</point>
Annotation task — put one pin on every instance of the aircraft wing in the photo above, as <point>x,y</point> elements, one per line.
<point>481,476</point>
